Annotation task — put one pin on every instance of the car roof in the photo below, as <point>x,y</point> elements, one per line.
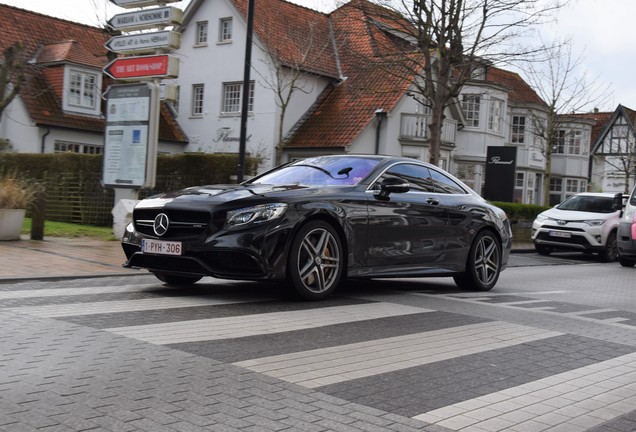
<point>596,194</point>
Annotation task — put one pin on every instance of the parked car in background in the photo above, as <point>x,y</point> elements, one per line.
<point>627,232</point>
<point>317,221</point>
<point>585,222</point>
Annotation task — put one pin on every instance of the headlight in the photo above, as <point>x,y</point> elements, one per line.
<point>594,222</point>
<point>130,228</point>
<point>540,218</point>
<point>254,215</point>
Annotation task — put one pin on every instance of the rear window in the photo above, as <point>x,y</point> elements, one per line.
<point>592,204</point>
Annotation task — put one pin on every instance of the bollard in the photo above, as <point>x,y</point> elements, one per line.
<point>38,213</point>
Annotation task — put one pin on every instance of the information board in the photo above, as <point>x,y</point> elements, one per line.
<point>126,137</point>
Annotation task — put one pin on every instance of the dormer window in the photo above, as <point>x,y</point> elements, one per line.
<point>82,90</point>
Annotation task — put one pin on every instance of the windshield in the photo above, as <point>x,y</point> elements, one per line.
<point>319,171</point>
<point>583,203</point>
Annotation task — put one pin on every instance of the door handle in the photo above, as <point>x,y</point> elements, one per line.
<point>432,201</point>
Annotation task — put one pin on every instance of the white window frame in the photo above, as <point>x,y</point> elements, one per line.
<point>232,98</point>
<point>471,104</point>
<point>225,30</point>
<point>73,147</point>
<point>201,34</point>
<point>495,115</point>
<point>198,94</point>
<point>518,129</point>
<point>82,96</point>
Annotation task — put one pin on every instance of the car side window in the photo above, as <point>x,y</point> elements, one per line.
<point>445,185</point>
<point>419,177</point>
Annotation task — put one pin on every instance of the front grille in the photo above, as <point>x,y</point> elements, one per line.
<point>219,263</point>
<point>575,240</point>
<point>563,228</point>
<point>182,223</point>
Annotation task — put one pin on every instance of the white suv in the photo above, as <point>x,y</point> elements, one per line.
<point>585,222</point>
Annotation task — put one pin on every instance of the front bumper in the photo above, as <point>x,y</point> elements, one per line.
<point>569,238</point>
<point>254,254</point>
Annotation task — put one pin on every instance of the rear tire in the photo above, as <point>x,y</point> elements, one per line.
<point>610,254</point>
<point>171,279</point>
<point>316,261</point>
<point>483,265</point>
<point>626,262</point>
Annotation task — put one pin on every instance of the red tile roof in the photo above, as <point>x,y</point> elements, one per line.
<point>348,107</point>
<point>518,90</point>
<point>297,36</point>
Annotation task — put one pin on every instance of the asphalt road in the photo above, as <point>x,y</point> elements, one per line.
<point>552,347</point>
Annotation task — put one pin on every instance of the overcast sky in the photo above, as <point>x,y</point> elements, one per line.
<point>601,30</point>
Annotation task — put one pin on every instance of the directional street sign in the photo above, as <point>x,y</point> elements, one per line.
<point>140,3</point>
<point>154,66</point>
<point>139,20</point>
<point>144,42</point>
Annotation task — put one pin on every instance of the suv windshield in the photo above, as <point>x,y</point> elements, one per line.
<point>321,171</point>
<point>592,204</point>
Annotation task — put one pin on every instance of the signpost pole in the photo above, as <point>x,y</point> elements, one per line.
<point>246,91</point>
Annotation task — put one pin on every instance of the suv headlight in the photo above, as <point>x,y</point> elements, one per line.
<point>254,215</point>
<point>594,222</point>
<point>540,218</point>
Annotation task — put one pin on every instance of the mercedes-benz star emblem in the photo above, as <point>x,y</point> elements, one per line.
<point>161,224</point>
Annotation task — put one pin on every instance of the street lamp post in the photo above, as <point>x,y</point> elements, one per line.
<point>246,91</point>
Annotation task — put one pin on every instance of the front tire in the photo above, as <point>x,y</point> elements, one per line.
<point>316,261</point>
<point>483,265</point>
<point>626,262</point>
<point>610,254</point>
<point>542,249</point>
<point>171,279</point>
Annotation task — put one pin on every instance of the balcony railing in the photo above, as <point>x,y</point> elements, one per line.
<point>415,127</point>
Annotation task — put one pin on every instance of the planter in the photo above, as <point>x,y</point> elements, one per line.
<point>11,221</point>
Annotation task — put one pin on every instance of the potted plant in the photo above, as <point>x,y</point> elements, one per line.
<point>15,196</point>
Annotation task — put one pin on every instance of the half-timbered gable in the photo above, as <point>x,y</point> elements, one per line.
<point>614,153</point>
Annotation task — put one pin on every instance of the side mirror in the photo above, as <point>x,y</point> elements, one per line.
<point>392,185</point>
<point>618,202</point>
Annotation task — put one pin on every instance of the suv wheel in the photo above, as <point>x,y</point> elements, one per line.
<point>542,249</point>
<point>610,254</point>
<point>626,262</point>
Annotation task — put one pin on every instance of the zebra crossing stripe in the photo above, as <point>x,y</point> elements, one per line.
<point>319,367</point>
<point>259,324</point>
<point>575,400</point>
<point>56,292</point>
<point>79,309</point>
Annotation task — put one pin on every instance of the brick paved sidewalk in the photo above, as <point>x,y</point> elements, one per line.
<point>61,257</point>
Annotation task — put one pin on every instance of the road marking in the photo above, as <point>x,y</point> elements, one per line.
<point>319,367</point>
<point>6,295</point>
<point>259,324</point>
<point>105,307</point>
<point>574,400</point>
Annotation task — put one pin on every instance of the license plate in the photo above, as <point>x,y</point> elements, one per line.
<point>560,234</point>
<point>161,247</point>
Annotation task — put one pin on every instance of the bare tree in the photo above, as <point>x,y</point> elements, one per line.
<point>448,40</point>
<point>287,74</point>
<point>12,77</point>
<point>565,91</point>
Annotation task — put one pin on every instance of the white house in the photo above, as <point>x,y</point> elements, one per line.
<point>613,167</point>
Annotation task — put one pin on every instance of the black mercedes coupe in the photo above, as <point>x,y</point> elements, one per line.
<point>316,222</point>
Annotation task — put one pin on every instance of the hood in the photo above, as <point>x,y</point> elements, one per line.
<point>214,195</point>
<point>572,215</point>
